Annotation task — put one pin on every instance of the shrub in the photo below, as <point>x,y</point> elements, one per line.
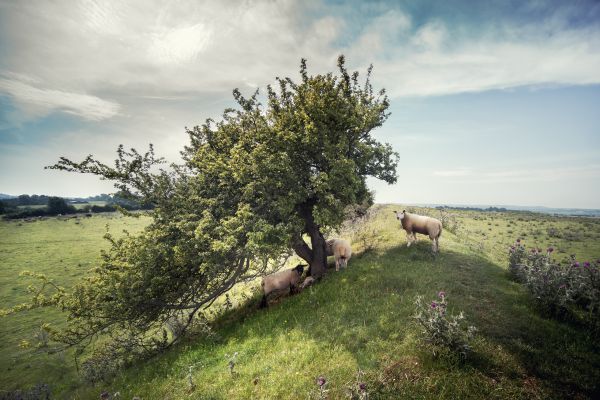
<point>449,222</point>
<point>442,331</point>
<point>556,287</point>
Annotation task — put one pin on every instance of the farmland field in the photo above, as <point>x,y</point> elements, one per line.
<point>360,318</point>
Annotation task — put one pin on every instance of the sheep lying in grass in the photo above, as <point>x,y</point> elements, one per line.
<point>279,281</point>
<point>413,223</point>
<point>341,250</point>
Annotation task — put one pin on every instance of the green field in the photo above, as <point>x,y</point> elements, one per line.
<point>356,319</point>
<point>64,248</point>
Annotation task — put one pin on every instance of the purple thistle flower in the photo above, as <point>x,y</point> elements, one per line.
<point>512,248</point>
<point>104,395</point>
<point>441,294</point>
<point>362,386</point>
<point>576,264</point>
<point>586,264</point>
<point>518,240</point>
<point>321,381</point>
<point>550,249</point>
<point>434,304</point>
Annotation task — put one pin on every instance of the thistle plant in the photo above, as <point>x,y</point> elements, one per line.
<point>191,384</point>
<point>441,330</point>
<point>358,390</point>
<point>231,362</point>
<point>322,387</point>
<point>557,287</point>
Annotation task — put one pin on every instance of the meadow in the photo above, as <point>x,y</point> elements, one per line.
<point>64,248</point>
<point>356,320</point>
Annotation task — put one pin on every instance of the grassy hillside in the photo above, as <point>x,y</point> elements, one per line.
<point>361,318</point>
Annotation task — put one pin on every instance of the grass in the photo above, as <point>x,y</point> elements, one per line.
<point>361,319</point>
<point>64,249</point>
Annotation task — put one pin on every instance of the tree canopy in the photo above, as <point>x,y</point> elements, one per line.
<point>250,186</point>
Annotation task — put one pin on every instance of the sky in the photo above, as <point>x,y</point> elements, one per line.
<point>494,102</point>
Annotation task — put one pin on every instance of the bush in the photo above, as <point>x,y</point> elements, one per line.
<point>442,331</point>
<point>556,287</point>
<point>449,222</point>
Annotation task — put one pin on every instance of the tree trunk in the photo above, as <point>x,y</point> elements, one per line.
<point>319,259</point>
<point>315,255</point>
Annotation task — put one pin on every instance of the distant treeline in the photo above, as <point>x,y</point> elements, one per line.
<point>492,209</point>
<point>26,206</point>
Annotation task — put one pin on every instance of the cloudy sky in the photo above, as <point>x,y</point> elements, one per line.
<point>494,102</point>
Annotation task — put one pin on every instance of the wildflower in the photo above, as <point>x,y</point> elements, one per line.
<point>362,387</point>
<point>441,294</point>
<point>586,264</point>
<point>576,264</point>
<point>321,381</point>
<point>518,240</point>
<point>434,304</point>
<point>105,395</point>
<point>550,249</point>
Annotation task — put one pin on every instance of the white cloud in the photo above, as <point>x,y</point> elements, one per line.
<point>39,101</point>
<point>181,44</point>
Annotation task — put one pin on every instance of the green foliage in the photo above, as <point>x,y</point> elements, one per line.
<point>250,186</point>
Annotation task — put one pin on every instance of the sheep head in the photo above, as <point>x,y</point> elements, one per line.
<point>299,269</point>
<point>400,215</point>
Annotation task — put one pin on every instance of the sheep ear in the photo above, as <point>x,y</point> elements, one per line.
<point>403,211</point>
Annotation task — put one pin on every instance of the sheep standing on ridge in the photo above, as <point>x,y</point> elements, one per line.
<point>341,250</point>
<point>279,281</point>
<point>413,223</point>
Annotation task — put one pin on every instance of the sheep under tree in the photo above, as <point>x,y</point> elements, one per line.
<point>341,250</point>
<point>250,185</point>
<point>287,280</point>
<point>413,223</point>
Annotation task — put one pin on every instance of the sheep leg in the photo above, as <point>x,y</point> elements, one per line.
<point>408,239</point>
<point>337,264</point>
<point>435,246</point>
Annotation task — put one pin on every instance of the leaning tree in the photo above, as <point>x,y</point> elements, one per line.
<point>250,187</point>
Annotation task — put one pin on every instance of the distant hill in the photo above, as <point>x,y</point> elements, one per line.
<point>582,212</point>
<point>6,196</point>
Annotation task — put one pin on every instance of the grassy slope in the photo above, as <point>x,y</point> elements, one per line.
<point>63,249</point>
<point>361,318</point>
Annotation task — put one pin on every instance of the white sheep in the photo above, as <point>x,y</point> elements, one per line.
<point>413,223</point>
<point>279,281</point>
<point>341,250</point>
